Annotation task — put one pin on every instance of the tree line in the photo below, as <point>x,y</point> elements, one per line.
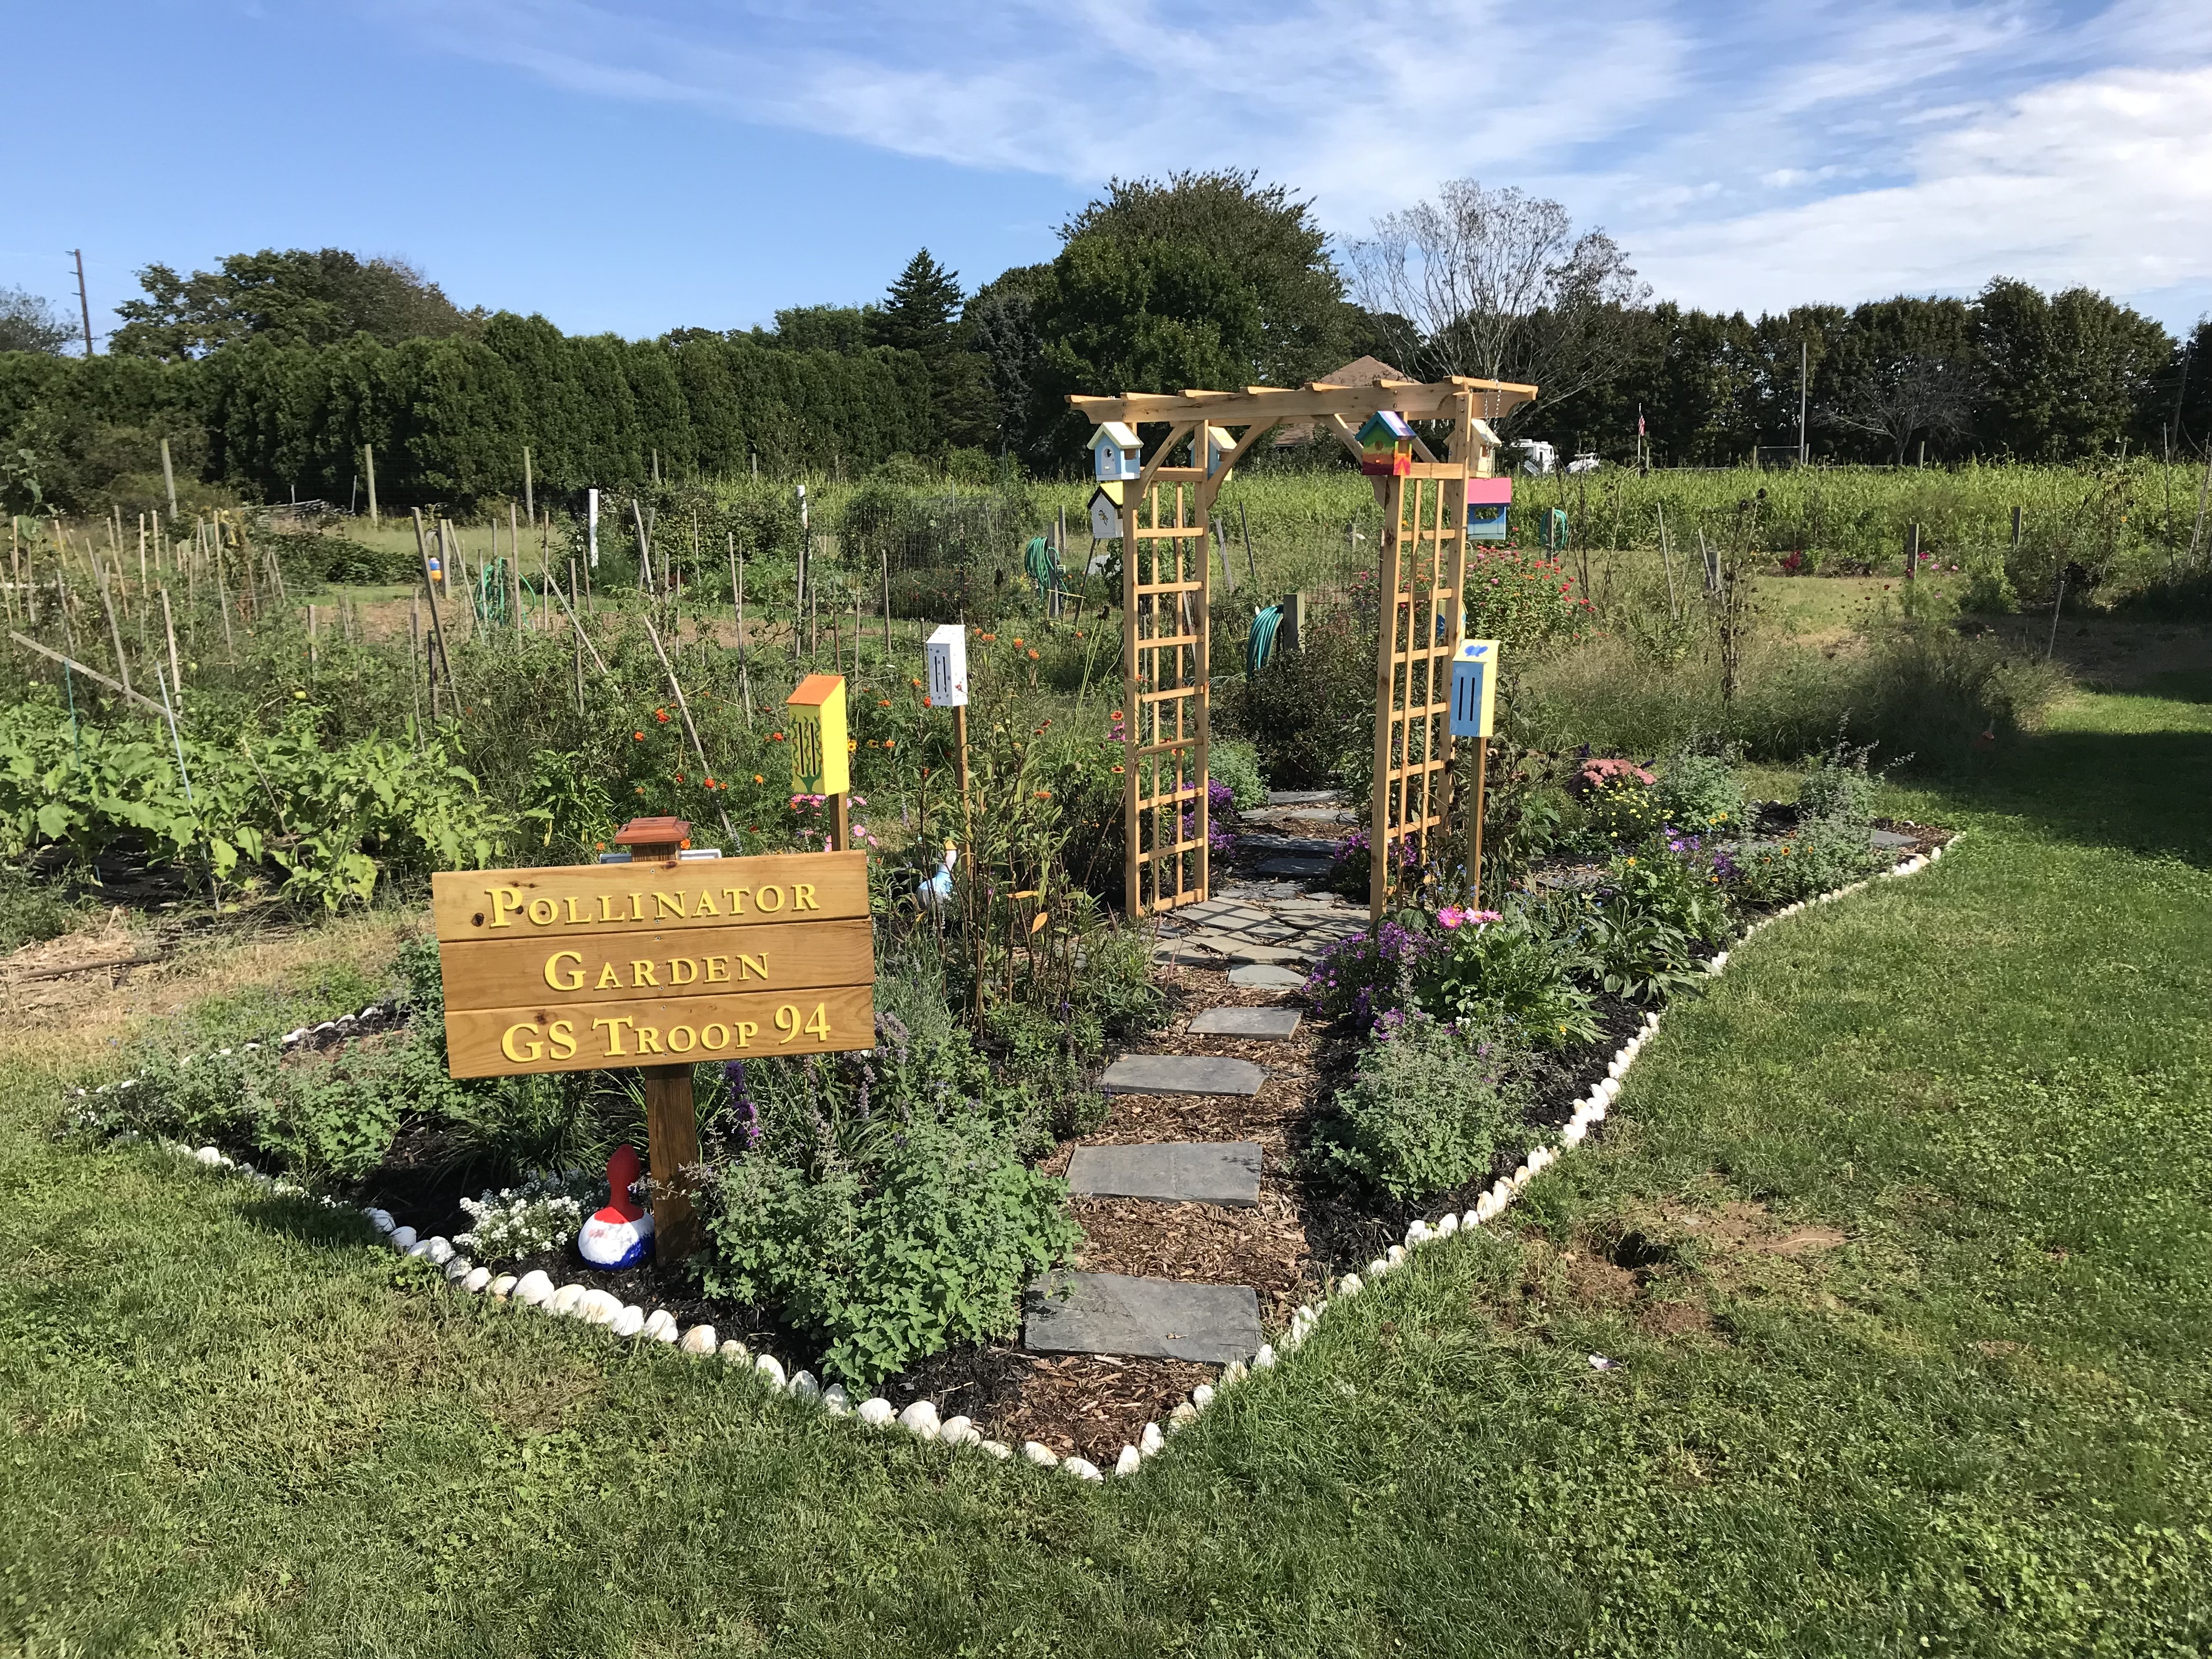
<point>269,375</point>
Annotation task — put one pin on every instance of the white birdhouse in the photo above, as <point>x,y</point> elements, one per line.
<point>947,652</point>
<point>1106,512</point>
<point>1115,453</point>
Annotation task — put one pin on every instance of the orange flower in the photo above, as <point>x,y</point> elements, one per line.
<point>882,702</point>
<point>1117,715</point>
<point>660,715</point>
<point>925,703</point>
<point>686,841</point>
<point>679,777</point>
<point>1044,795</point>
<point>639,736</point>
<point>916,684</point>
<point>890,743</point>
<point>1033,655</point>
<point>1121,768</point>
<point>711,784</point>
<point>1018,639</point>
<point>599,847</point>
<point>775,737</point>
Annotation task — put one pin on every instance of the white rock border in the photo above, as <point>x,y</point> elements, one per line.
<point>592,1306</point>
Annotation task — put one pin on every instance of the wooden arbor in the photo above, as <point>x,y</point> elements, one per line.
<point>1166,593</point>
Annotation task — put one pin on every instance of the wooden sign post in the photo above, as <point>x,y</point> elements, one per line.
<point>1474,702</point>
<point>659,963</point>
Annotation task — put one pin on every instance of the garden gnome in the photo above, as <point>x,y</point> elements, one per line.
<point>620,1235</point>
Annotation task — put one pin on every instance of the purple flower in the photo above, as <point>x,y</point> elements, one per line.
<point>748,1120</point>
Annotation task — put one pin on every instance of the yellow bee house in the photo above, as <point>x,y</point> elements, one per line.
<point>820,760</point>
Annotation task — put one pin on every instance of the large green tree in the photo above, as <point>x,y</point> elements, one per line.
<point>295,297</point>
<point>2072,374</point>
<point>1135,316</point>
<point>30,322</point>
<point>1263,236</point>
<point>922,314</point>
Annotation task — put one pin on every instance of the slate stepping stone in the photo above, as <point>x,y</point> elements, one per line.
<point>1247,1022</point>
<point>1225,1172</point>
<point>1888,839</point>
<point>1142,1318</point>
<point>1312,846</point>
<point>1241,954</point>
<point>1295,865</point>
<point>1182,1074</point>
<point>1302,797</point>
<point>1265,976</point>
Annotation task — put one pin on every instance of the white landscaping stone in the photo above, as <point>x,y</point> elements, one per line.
<point>1470,1221</point>
<point>478,1281</point>
<point>699,1340</point>
<point>1265,1357</point>
<point>998,1449</point>
<point>771,1369</point>
<point>420,1247</point>
<point>1377,1267</point>
<point>1044,1456</point>
<point>953,1431</point>
<point>1573,1134</point>
<point>629,1321</point>
<point>1396,1253</point>
<point>506,1285</point>
<point>458,1268</point>
<point>380,1219</point>
<point>1151,1440</point>
<point>1448,1225</point>
<point>921,1419</point>
<point>401,1238</point>
<point>835,1401</point>
<point>602,1308</point>
<point>211,1156</point>
<point>1083,1468</point>
<point>805,1385</point>
<point>1349,1285</point>
<point>660,1326</point>
<point>878,1412</point>
<point>1233,1373</point>
<point>1129,1461</point>
<point>439,1250</point>
<point>1184,1413</point>
<point>1418,1234</point>
<point>734,1352</point>
<point>564,1301</point>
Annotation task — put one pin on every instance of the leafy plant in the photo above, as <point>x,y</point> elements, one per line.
<point>1504,974</point>
<point>1238,765</point>
<point>1430,1106</point>
<point>1700,793</point>
<point>1839,785</point>
<point>1825,854</point>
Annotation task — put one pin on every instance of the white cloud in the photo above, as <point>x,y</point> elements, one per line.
<point>2105,180</point>
<point>1746,154</point>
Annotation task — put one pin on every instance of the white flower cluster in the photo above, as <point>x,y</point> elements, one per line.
<point>539,1215</point>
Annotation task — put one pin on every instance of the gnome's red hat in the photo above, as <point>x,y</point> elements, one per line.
<point>623,1171</point>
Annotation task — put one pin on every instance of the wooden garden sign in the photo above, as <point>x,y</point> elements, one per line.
<point>660,962</point>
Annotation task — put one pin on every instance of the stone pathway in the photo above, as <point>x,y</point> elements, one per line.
<point>1275,1023</point>
<point>1143,1318</point>
<point>1225,1172</point>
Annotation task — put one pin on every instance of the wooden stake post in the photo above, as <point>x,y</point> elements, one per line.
<point>1167,590</point>
<point>671,1114</point>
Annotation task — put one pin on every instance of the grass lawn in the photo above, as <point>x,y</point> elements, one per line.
<point>1903,1233</point>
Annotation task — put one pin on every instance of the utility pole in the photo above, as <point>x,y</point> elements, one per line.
<point>83,304</point>
<point>1804,386</point>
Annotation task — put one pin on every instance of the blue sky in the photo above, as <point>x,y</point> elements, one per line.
<point>640,166</point>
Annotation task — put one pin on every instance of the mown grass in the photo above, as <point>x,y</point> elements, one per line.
<point>1970,1416</point>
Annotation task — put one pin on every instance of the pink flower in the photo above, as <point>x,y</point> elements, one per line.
<point>1452,916</point>
<point>1484,918</point>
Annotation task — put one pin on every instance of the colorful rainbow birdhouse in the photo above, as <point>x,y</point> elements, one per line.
<point>1115,453</point>
<point>1487,501</point>
<point>1385,446</point>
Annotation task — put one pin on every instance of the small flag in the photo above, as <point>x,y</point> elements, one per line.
<point>1639,420</point>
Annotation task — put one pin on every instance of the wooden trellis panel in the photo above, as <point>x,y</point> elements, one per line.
<point>1165,595</point>
<point>1423,564</point>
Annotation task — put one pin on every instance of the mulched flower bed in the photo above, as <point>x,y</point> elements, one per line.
<point>1300,1232</point>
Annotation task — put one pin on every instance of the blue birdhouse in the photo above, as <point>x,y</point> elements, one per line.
<point>1474,687</point>
<point>1487,501</point>
<point>1116,454</point>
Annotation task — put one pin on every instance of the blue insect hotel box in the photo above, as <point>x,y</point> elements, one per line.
<point>1473,686</point>
<point>1487,501</point>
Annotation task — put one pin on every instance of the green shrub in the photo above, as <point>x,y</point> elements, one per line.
<point>1428,1108</point>
<point>1309,713</point>
<point>1700,793</point>
<point>1839,786</point>
<point>1238,765</point>
<point>1507,976</point>
<point>1825,854</point>
<point>1620,811</point>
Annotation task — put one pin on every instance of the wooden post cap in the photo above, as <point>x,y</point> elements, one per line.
<point>650,835</point>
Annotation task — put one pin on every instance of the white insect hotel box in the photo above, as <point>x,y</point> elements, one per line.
<point>947,654</point>
<point>1116,454</point>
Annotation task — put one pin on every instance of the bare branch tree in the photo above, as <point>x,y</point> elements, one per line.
<point>1496,283</point>
<point>1913,392</point>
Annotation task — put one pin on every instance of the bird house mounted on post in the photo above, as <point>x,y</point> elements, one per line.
<point>820,762</point>
<point>1487,501</point>
<point>1474,687</point>
<point>1116,454</point>
<point>1385,446</point>
<point>946,651</point>
<point>1106,512</point>
<point>1218,446</point>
